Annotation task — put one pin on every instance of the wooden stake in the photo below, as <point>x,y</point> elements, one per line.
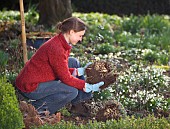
<point>24,45</point>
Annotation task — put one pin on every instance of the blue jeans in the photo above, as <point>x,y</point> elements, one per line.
<point>54,95</point>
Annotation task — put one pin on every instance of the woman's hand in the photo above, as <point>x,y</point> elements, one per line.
<point>82,69</point>
<point>92,87</point>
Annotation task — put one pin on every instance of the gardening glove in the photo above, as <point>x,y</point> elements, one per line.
<point>92,87</point>
<point>82,69</point>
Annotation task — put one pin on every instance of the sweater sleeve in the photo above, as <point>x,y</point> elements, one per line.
<point>71,70</point>
<point>59,62</point>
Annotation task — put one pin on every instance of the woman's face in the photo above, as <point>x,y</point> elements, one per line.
<point>76,36</point>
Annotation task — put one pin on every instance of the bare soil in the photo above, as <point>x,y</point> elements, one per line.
<point>99,111</point>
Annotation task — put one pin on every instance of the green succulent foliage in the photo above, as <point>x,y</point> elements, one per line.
<point>165,40</point>
<point>99,29</point>
<point>151,57</point>
<point>105,48</point>
<point>155,24</point>
<point>159,58</point>
<point>102,95</point>
<point>11,117</point>
<point>163,59</point>
<point>132,24</point>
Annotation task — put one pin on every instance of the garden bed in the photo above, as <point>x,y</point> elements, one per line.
<point>142,89</point>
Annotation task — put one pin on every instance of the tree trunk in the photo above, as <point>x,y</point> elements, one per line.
<point>53,11</point>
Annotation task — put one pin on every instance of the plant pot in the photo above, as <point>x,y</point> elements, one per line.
<point>36,39</point>
<point>36,43</point>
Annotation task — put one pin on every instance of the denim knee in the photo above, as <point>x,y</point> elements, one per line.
<point>55,102</point>
<point>73,94</point>
<point>73,62</point>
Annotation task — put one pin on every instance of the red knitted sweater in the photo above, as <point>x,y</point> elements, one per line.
<point>48,63</point>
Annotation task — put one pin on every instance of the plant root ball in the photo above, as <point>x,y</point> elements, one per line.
<point>101,71</point>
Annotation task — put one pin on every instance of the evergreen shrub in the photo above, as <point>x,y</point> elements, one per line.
<point>10,115</point>
<point>149,122</point>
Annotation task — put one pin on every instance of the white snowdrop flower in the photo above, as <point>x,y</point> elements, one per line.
<point>110,55</point>
<point>118,53</point>
<point>134,95</point>
<point>158,104</point>
<point>136,100</point>
<point>152,100</point>
<point>149,96</point>
<point>130,90</point>
<point>105,56</point>
<point>154,95</point>
<point>100,55</point>
<point>97,58</point>
<point>93,102</point>
<point>122,96</point>
<point>111,89</point>
<point>139,92</point>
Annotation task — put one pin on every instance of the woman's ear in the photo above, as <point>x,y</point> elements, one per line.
<point>72,32</point>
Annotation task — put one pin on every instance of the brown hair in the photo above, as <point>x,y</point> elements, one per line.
<point>71,23</point>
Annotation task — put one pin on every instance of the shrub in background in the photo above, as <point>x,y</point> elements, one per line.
<point>10,115</point>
